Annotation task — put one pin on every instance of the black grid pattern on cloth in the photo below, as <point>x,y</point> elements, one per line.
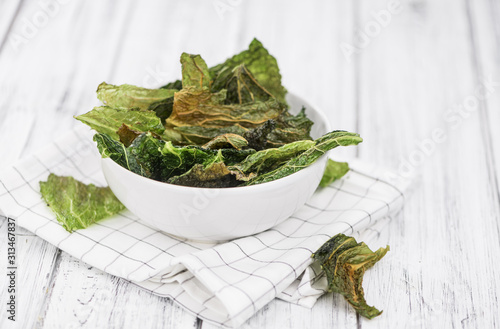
<point>236,266</point>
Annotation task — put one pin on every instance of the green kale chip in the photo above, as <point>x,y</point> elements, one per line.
<point>262,65</point>
<point>163,108</point>
<point>290,128</point>
<point>212,173</point>
<point>308,157</point>
<point>333,171</point>
<point>269,159</point>
<point>198,135</point>
<point>107,120</point>
<point>199,115</point>
<point>127,135</point>
<point>177,84</point>
<point>116,151</point>
<point>227,140</point>
<point>214,176</point>
<point>241,86</point>
<point>345,261</point>
<point>257,137</point>
<point>194,72</point>
<point>162,159</point>
<point>77,205</point>
<point>200,107</point>
<point>129,96</point>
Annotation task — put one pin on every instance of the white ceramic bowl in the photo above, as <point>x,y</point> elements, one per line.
<point>219,214</point>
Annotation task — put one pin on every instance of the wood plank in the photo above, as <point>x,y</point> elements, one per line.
<point>440,271</point>
<point>35,262</point>
<point>9,11</point>
<point>485,33</point>
<point>84,297</point>
<point>485,38</point>
<point>61,80</point>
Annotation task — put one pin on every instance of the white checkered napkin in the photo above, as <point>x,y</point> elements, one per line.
<point>225,283</point>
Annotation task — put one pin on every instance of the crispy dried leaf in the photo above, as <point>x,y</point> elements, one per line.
<point>232,156</point>
<point>194,72</point>
<point>186,109</point>
<point>286,128</point>
<point>115,150</point>
<point>127,135</point>
<point>345,262</point>
<point>78,205</point>
<point>321,146</point>
<point>213,176</point>
<point>269,159</point>
<point>146,149</point>
<point>290,128</point>
<point>162,108</point>
<point>129,96</point>
<point>212,173</point>
<point>259,62</point>
<point>257,137</point>
<point>163,160</point>
<point>177,84</point>
<point>108,120</point>
<point>196,135</point>
<point>227,141</point>
<point>172,134</point>
<point>333,171</point>
<point>152,157</point>
<point>242,87</point>
<point>202,108</point>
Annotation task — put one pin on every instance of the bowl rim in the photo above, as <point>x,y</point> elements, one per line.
<point>262,186</point>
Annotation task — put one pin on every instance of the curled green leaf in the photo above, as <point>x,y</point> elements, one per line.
<point>227,141</point>
<point>257,137</point>
<point>215,175</point>
<point>127,135</point>
<point>197,135</point>
<point>308,157</point>
<point>333,171</point>
<point>163,160</point>
<point>129,96</point>
<point>162,108</point>
<point>242,87</point>
<point>177,84</point>
<point>290,128</point>
<point>108,120</point>
<point>345,262</point>
<point>200,107</point>
<point>262,65</point>
<point>116,151</point>
<point>269,159</point>
<point>194,72</point>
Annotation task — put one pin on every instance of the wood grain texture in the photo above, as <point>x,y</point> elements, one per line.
<point>36,261</point>
<point>446,256</point>
<point>83,297</point>
<point>410,78</point>
<point>9,11</point>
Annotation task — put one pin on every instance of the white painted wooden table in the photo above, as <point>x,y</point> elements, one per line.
<point>419,80</point>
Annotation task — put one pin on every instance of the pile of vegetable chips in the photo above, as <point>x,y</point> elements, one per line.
<point>223,126</point>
